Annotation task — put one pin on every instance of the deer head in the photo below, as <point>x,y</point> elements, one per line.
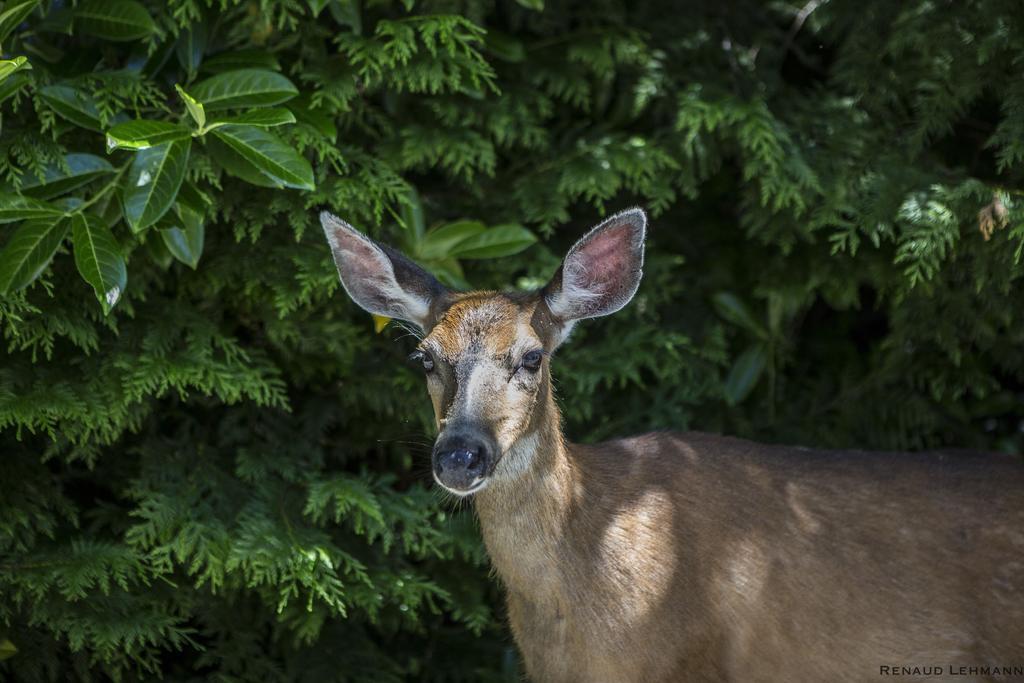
<point>486,355</point>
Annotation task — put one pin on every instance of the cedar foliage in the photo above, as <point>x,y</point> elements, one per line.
<point>214,469</point>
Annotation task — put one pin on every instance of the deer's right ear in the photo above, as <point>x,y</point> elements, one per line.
<point>379,279</point>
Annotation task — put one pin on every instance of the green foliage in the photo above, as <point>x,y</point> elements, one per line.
<point>98,258</point>
<point>214,469</point>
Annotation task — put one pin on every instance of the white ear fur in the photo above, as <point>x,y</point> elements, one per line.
<point>380,282</point>
<point>601,272</point>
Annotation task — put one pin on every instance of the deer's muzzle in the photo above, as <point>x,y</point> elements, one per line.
<point>463,458</point>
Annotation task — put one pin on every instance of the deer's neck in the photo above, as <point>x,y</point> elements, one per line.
<point>523,511</point>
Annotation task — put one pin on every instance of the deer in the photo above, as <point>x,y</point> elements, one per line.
<point>671,556</point>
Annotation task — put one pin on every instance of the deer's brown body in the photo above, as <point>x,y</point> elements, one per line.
<point>689,557</point>
<point>692,557</point>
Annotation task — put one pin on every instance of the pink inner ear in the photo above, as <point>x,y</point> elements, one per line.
<point>358,259</point>
<point>343,240</point>
<point>605,258</point>
<point>364,271</point>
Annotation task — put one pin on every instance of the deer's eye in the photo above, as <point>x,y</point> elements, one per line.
<point>531,361</point>
<point>422,358</point>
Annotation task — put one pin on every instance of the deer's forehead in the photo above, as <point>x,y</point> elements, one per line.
<point>483,323</point>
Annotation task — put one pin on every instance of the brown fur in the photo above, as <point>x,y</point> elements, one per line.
<point>692,557</point>
<point>457,324</point>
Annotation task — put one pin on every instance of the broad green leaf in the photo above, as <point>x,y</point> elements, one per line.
<point>153,181</point>
<point>412,215</point>
<point>68,204</point>
<point>80,169</point>
<point>315,117</point>
<point>9,66</point>
<point>241,59</point>
<point>110,209</point>
<point>29,251</point>
<point>535,5</point>
<point>244,88</point>
<point>439,242</point>
<point>98,257</point>
<point>14,13</point>
<point>184,235</point>
<point>7,649</point>
<point>317,6</point>
<point>16,82</point>
<point>190,47</point>
<point>190,195</point>
<point>735,311</point>
<point>157,250</point>
<point>744,374</point>
<point>347,13</point>
<point>185,246</point>
<point>195,107</point>
<point>281,164</point>
<point>15,208</point>
<point>143,134</point>
<point>262,118</point>
<point>76,106</point>
<point>114,19</point>
<point>501,240</point>
<point>236,165</point>
<point>449,272</point>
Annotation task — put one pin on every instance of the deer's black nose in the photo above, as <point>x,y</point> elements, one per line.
<point>461,460</point>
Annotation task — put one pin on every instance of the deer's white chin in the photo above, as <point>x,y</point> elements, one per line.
<point>479,484</point>
<point>518,458</point>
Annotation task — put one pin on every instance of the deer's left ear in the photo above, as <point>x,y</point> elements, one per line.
<point>601,272</point>
<point>381,280</point>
